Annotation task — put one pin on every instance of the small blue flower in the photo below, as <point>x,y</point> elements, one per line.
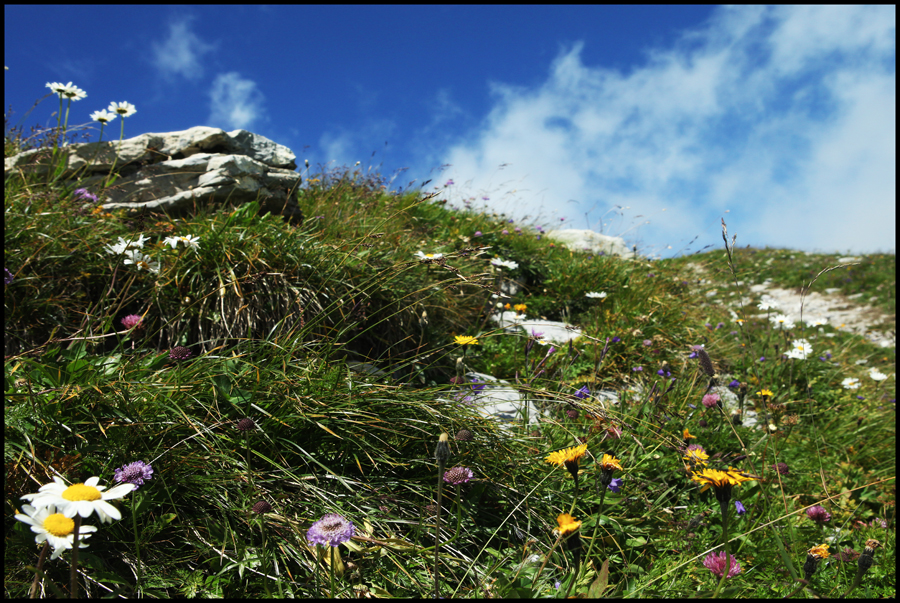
<point>740,507</point>
<point>584,391</point>
<point>734,383</point>
<point>616,339</point>
<point>615,484</point>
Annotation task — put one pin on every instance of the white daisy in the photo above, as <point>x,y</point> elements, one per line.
<point>123,245</point>
<point>877,375</point>
<point>83,499</point>
<point>505,263</point>
<point>189,241</point>
<point>595,295</point>
<point>767,304</point>
<point>782,321</point>
<point>133,256</point>
<point>54,528</point>
<point>429,256</point>
<point>850,383</point>
<point>816,322</point>
<point>800,349</point>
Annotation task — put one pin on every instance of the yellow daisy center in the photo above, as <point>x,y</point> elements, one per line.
<point>59,525</point>
<point>77,492</point>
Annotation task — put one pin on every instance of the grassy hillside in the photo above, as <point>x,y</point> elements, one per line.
<point>249,317</point>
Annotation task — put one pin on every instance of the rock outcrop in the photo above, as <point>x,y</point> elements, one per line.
<point>175,171</point>
<point>588,240</point>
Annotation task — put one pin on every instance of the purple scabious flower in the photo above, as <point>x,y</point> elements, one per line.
<point>131,321</point>
<point>458,475</point>
<point>818,514</point>
<point>477,233</point>
<point>134,473</point>
<point>504,232</point>
<point>715,562</point>
<point>615,485</point>
<point>740,507</point>
<point>711,399</point>
<point>331,530</point>
<point>262,507</point>
<point>84,194</point>
<point>648,343</point>
<point>781,468</point>
<point>179,352</point>
<point>7,277</point>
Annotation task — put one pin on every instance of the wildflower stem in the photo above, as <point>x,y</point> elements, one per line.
<point>723,505</point>
<point>137,544</point>
<point>331,586</point>
<point>39,571</point>
<point>73,570</point>
<point>437,531</point>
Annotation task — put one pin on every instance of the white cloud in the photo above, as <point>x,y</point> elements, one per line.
<point>235,102</point>
<point>784,116</point>
<point>180,53</point>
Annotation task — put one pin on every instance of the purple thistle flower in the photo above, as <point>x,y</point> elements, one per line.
<point>711,399</point>
<point>131,321</point>
<point>134,473</point>
<point>715,562</point>
<point>818,514</point>
<point>331,530</point>
<point>458,475</point>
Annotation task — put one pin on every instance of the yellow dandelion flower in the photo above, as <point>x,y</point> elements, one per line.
<point>507,306</point>
<point>567,524</point>
<point>722,481</point>
<point>520,308</point>
<point>465,340</point>
<point>688,436</point>
<point>696,455</point>
<point>820,552</point>
<point>570,455</point>
<point>610,463</point>
<point>765,392</point>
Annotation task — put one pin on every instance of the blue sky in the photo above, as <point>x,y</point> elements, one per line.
<point>651,123</point>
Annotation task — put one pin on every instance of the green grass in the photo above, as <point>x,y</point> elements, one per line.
<point>276,315</point>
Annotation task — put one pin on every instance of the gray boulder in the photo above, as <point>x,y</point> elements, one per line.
<point>174,171</point>
<point>581,240</point>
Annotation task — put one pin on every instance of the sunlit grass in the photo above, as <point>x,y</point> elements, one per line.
<point>327,358</point>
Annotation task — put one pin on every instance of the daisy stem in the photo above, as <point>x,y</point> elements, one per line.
<point>73,570</point>
<point>38,572</point>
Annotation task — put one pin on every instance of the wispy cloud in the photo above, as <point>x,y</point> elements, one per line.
<point>785,116</point>
<point>235,102</point>
<point>181,52</point>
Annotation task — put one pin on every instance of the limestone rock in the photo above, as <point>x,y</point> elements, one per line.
<point>173,171</point>
<point>581,240</point>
